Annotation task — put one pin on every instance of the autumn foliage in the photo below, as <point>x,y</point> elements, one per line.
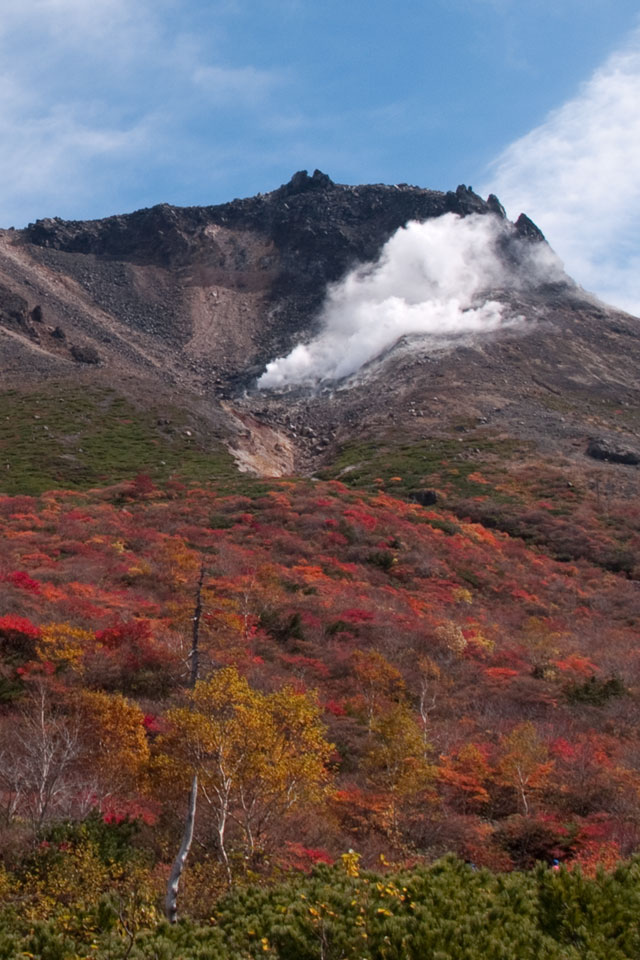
<point>372,674</point>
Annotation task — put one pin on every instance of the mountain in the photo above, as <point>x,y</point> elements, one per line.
<point>177,312</point>
<point>189,305</point>
<point>364,462</point>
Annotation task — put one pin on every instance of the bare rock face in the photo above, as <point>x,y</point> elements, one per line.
<point>527,228</point>
<point>234,285</point>
<point>13,308</point>
<point>310,218</point>
<point>85,354</point>
<point>612,451</point>
<point>15,314</point>
<point>426,498</point>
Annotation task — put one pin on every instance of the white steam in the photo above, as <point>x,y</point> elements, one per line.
<point>432,278</point>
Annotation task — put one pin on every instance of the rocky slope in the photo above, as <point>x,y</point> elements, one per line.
<point>192,303</point>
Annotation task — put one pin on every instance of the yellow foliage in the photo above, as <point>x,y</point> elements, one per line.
<point>64,884</point>
<point>542,641</point>
<point>140,569</point>
<point>178,565</point>
<point>428,668</point>
<point>115,737</point>
<point>379,681</point>
<point>64,645</point>
<point>203,884</point>
<point>397,759</point>
<point>259,754</point>
<point>5,884</point>
<point>485,643</point>
<point>525,763</point>
<point>65,887</point>
<point>351,863</point>
<point>462,595</point>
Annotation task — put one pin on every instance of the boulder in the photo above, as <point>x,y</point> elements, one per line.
<point>611,451</point>
<point>85,354</point>
<point>426,498</point>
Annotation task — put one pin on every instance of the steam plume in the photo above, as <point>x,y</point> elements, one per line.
<point>432,278</point>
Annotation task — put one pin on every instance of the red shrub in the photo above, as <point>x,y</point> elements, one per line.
<point>22,580</point>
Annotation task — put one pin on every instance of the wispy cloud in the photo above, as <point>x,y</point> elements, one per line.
<point>52,157</point>
<point>577,176</point>
<point>95,95</point>
<point>231,86</point>
<point>55,123</point>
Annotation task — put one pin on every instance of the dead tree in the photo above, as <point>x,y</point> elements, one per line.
<point>194,656</point>
<point>171,899</point>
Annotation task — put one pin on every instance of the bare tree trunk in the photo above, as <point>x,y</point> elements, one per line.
<point>220,802</point>
<point>525,802</point>
<point>247,808</point>
<point>195,636</point>
<point>38,764</point>
<point>171,899</point>
<point>222,825</point>
<point>425,710</point>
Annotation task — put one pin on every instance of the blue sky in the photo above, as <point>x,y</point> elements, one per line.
<point>111,105</point>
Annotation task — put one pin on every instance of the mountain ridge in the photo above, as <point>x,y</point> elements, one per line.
<point>315,231</point>
<point>191,303</point>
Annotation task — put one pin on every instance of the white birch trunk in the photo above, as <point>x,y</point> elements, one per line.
<point>171,899</point>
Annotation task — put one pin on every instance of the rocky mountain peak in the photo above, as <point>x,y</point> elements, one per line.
<point>198,300</point>
<point>527,229</point>
<point>267,259</point>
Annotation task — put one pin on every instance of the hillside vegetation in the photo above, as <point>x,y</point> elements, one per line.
<point>341,913</point>
<point>344,669</point>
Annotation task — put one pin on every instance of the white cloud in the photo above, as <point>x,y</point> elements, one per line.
<point>234,85</point>
<point>45,30</point>
<point>52,157</point>
<point>102,96</point>
<point>59,59</point>
<point>577,175</point>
